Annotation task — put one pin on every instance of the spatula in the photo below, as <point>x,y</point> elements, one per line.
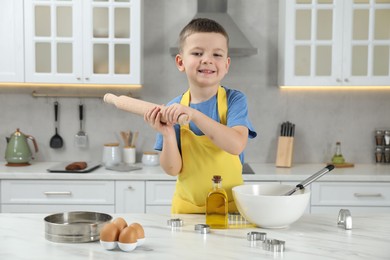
<point>56,141</point>
<point>81,138</point>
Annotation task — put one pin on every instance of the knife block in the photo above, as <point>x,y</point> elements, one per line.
<point>284,153</point>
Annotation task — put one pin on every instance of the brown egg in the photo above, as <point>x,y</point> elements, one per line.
<point>109,232</point>
<point>140,230</point>
<point>120,223</point>
<point>128,235</point>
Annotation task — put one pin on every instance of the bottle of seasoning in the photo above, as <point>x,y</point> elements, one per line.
<point>378,154</point>
<point>217,205</point>
<point>387,155</point>
<point>338,157</point>
<point>379,137</point>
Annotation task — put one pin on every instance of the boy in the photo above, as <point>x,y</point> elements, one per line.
<point>214,140</point>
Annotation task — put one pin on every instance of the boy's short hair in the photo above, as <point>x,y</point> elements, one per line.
<point>199,25</point>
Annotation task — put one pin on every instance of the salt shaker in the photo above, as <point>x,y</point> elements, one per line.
<point>387,155</point>
<point>387,137</point>
<point>379,137</point>
<point>378,154</point>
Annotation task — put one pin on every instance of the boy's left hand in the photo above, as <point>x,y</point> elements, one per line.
<point>173,112</point>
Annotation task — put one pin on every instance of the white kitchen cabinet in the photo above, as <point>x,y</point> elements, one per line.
<point>130,197</point>
<point>334,42</point>
<point>46,196</point>
<point>358,197</point>
<point>159,196</point>
<point>89,41</point>
<point>11,44</point>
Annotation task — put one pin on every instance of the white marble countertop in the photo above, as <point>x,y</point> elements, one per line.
<point>311,237</point>
<point>263,172</point>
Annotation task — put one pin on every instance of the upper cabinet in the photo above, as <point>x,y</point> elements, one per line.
<point>88,41</point>
<point>11,44</point>
<point>334,42</point>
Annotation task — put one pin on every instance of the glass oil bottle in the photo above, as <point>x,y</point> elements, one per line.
<point>217,205</point>
<point>338,157</point>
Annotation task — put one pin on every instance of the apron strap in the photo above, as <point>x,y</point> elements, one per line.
<point>221,103</point>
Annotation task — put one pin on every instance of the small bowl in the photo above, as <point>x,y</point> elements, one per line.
<point>265,206</point>
<point>150,159</point>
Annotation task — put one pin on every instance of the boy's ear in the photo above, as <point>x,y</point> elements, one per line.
<point>179,63</point>
<point>228,61</point>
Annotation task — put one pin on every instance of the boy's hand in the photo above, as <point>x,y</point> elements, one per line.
<point>172,113</point>
<point>153,118</point>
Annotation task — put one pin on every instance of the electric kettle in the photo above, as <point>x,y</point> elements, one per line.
<point>18,151</point>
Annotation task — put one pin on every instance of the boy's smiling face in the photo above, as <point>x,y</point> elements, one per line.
<point>204,58</point>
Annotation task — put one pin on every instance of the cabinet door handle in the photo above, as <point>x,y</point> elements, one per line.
<point>130,188</point>
<point>48,193</point>
<point>346,80</point>
<point>338,80</point>
<point>78,78</point>
<point>86,78</point>
<point>360,195</point>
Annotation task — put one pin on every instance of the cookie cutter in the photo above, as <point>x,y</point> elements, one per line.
<point>202,228</point>
<point>175,222</point>
<point>255,236</point>
<point>345,219</point>
<point>274,245</point>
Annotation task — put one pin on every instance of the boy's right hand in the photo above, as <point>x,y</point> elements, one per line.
<point>153,118</point>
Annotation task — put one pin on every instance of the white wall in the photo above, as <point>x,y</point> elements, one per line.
<point>321,117</point>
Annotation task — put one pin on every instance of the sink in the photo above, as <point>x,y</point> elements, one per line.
<point>246,169</point>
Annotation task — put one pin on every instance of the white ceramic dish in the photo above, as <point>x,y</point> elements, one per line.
<point>263,204</point>
<point>150,159</point>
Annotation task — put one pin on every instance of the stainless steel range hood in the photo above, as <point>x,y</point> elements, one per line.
<point>239,45</point>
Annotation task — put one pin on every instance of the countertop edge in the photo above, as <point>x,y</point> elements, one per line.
<point>262,172</point>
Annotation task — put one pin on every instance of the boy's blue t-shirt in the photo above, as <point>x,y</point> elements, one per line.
<point>237,115</point>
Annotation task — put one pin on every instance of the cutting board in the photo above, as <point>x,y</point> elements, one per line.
<point>342,165</point>
<point>61,168</point>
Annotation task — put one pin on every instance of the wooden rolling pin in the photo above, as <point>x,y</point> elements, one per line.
<point>137,106</point>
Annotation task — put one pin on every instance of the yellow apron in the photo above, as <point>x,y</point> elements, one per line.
<point>201,160</point>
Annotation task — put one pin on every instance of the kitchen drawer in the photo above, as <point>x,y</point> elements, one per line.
<point>350,194</point>
<point>57,192</point>
<point>159,192</point>
<point>51,209</point>
<point>353,209</point>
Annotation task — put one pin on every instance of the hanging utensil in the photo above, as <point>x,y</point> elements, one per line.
<point>309,180</point>
<point>81,138</point>
<point>56,141</point>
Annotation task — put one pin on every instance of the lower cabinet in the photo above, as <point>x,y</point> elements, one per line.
<point>159,196</point>
<point>129,196</point>
<point>357,197</point>
<point>50,196</point>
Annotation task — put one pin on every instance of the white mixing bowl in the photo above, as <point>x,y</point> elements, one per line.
<point>265,206</point>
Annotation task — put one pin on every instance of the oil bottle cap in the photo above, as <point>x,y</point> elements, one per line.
<point>217,178</point>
